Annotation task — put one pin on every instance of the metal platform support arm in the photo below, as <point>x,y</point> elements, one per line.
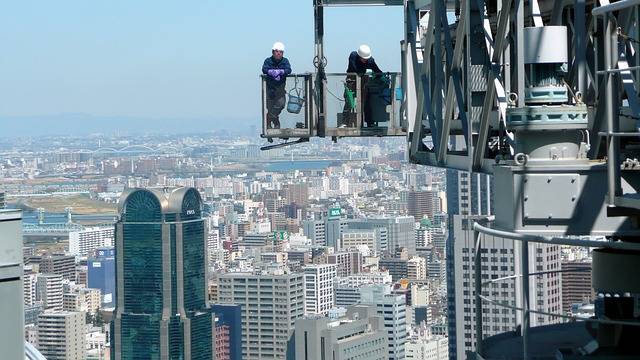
<point>421,80</point>
<point>454,84</point>
<point>499,42</point>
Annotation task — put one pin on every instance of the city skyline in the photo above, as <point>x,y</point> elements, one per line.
<point>417,180</point>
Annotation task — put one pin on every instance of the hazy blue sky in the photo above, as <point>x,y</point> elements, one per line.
<point>167,58</point>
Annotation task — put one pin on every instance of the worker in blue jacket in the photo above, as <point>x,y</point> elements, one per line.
<point>359,62</point>
<point>276,68</point>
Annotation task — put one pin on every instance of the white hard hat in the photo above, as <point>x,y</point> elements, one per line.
<point>278,46</point>
<point>364,51</point>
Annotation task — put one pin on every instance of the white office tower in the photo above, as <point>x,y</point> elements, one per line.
<point>49,290</point>
<point>498,261</point>
<point>423,346</point>
<point>11,286</point>
<point>84,242</point>
<point>62,335</point>
<point>393,309</point>
<point>401,232</point>
<point>29,282</point>
<point>358,335</point>
<point>319,296</point>
<point>417,268</point>
<point>354,239</point>
<point>270,303</point>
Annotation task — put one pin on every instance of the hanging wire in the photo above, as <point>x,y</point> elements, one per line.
<point>334,95</point>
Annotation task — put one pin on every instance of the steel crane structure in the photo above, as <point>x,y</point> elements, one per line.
<point>543,95</point>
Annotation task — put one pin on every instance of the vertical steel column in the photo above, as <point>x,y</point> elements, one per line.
<point>580,43</point>
<point>404,81</point>
<point>403,121</point>
<point>468,96</point>
<point>478,290</point>
<point>436,66</point>
<point>319,63</point>
<point>519,4</point>
<point>525,299</point>
<point>611,111</point>
<point>636,34</point>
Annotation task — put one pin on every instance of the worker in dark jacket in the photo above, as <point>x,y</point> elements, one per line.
<point>276,68</point>
<point>359,62</point>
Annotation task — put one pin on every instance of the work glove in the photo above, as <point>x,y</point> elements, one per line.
<point>275,73</point>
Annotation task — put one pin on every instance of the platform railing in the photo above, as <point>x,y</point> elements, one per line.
<point>363,104</point>
<point>293,106</point>
<point>525,239</point>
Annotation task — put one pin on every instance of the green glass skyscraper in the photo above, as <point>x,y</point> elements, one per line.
<point>161,307</point>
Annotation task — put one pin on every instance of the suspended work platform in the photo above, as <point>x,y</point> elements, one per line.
<point>354,105</point>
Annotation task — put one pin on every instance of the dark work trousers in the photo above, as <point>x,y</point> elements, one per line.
<point>276,101</point>
<point>364,94</point>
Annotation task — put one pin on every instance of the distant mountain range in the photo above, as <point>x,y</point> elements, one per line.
<point>83,124</point>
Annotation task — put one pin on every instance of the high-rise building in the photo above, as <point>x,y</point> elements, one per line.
<point>49,290</point>
<point>257,240</point>
<point>381,232</point>
<point>334,228</point>
<point>64,265</point>
<point>101,274</point>
<point>29,281</point>
<point>319,296</point>
<point>359,335</point>
<point>278,220</point>
<point>2,200</point>
<point>397,268</point>
<point>315,230</point>
<point>228,332</point>
<point>467,194</point>
<point>270,305</point>
<point>11,285</point>
<point>82,299</point>
<point>500,258</point>
<point>427,348</point>
<point>417,268</point>
<point>436,268</point>
<point>394,311</point>
<point>161,285</point>
<point>347,295</point>
<point>85,242</point>
<point>576,284</point>
<point>424,235</point>
<point>223,339</point>
<point>348,263</point>
<point>352,239</point>
<point>326,232</point>
<point>31,313</point>
<point>274,204</point>
<point>297,193</point>
<point>423,203</point>
<point>401,232</point>
<point>62,335</point>
<point>347,288</point>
